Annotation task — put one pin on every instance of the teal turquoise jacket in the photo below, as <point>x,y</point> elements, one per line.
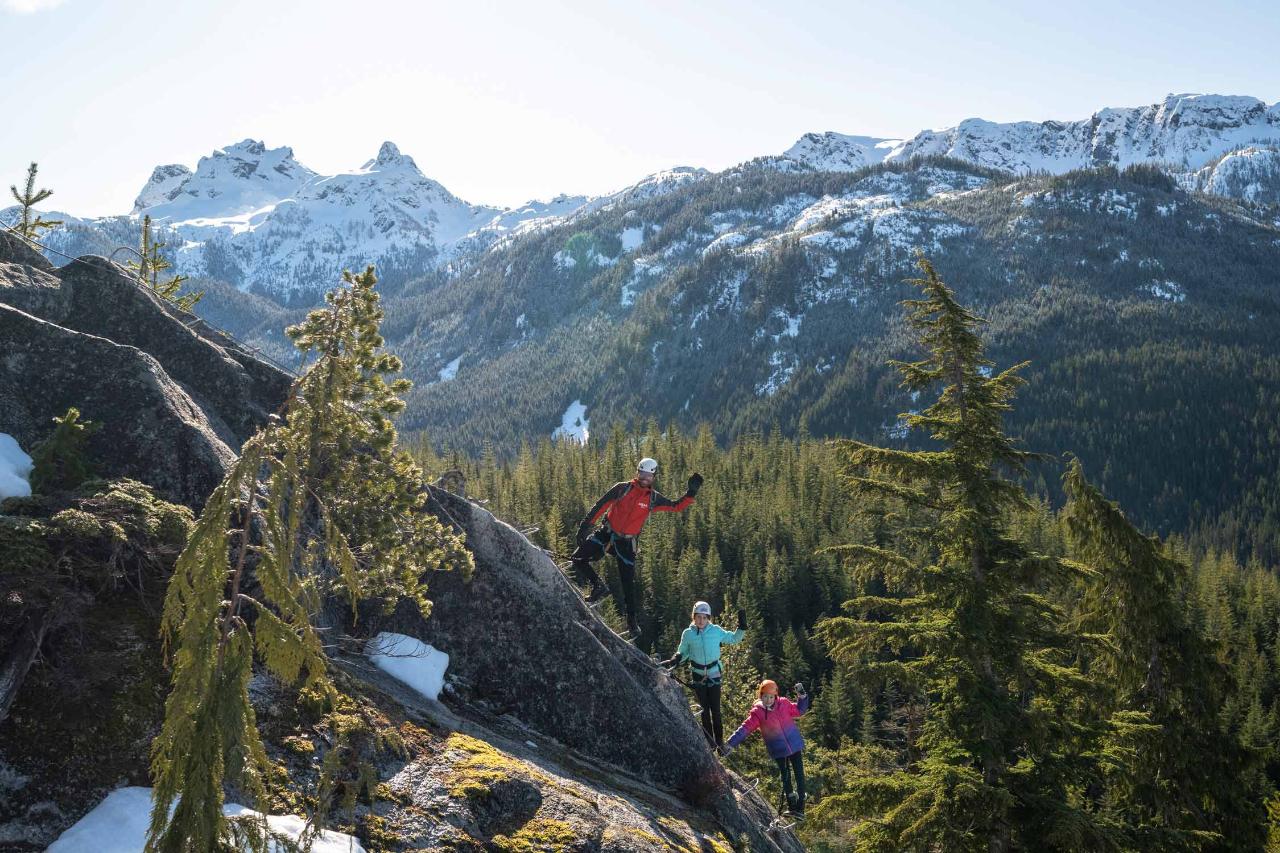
<point>701,649</point>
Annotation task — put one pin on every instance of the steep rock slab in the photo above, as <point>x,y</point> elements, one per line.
<point>522,642</point>
<point>151,431</point>
<point>95,296</point>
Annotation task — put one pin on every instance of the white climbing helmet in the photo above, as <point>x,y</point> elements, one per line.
<point>648,466</point>
<point>701,607</point>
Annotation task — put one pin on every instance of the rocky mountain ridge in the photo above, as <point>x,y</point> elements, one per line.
<point>553,733</point>
<point>1182,134</point>
<point>257,218</point>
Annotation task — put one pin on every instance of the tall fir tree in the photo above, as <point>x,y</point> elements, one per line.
<point>30,224</point>
<point>319,505</point>
<point>1190,784</point>
<point>965,624</point>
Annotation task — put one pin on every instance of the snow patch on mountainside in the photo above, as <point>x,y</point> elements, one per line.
<point>450,370</point>
<point>574,425</point>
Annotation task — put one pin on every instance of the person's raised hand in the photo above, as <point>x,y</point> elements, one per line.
<point>695,483</point>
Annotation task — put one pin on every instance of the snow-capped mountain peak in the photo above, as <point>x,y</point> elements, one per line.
<point>1183,133</point>
<point>165,183</point>
<point>838,152</point>
<point>389,157</point>
<point>232,181</point>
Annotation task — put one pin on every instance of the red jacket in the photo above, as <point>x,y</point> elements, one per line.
<point>627,506</point>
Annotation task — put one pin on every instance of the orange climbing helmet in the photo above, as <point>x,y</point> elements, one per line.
<point>768,686</point>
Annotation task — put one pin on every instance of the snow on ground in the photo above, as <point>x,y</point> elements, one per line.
<point>783,367</point>
<point>119,825</point>
<point>724,241</point>
<point>632,238</point>
<point>450,370</point>
<point>15,467</point>
<point>412,661</point>
<point>573,424</point>
<point>1168,290</point>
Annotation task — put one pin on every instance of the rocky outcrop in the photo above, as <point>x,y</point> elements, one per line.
<point>152,430</point>
<point>522,643</point>
<point>530,660</point>
<point>175,398</point>
<point>553,732</point>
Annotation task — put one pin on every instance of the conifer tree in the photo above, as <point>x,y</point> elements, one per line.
<point>319,505</point>
<point>151,264</point>
<point>61,462</point>
<point>965,621</point>
<point>1191,784</point>
<point>30,224</point>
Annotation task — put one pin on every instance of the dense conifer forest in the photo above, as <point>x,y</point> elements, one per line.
<point>1126,698</point>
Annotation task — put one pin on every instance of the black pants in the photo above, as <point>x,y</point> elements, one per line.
<point>785,766</point>
<point>709,698</point>
<point>624,550</point>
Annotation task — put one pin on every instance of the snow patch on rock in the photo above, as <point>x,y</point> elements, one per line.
<point>119,825</point>
<point>15,469</point>
<point>409,660</point>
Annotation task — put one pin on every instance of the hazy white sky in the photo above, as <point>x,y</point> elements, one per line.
<point>503,102</point>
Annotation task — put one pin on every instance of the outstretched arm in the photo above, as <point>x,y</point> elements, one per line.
<point>662,503</point>
<point>749,725</point>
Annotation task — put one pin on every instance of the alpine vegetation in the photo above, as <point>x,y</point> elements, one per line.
<point>320,505</point>
<point>30,225</point>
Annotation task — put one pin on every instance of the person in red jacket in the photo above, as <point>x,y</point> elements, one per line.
<point>624,509</point>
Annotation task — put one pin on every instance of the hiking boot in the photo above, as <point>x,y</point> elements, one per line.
<point>598,592</point>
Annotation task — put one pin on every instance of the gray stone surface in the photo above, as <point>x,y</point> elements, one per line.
<point>151,429</point>
<point>530,659</point>
<point>174,397</point>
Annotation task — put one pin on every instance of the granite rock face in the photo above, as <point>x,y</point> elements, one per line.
<point>527,655</point>
<point>175,398</point>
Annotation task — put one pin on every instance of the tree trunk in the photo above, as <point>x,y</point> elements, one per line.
<point>24,645</point>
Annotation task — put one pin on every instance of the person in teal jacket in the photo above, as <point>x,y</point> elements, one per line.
<point>700,648</point>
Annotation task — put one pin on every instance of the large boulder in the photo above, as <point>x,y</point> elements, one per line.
<point>152,430</point>
<point>521,641</point>
<point>530,663</point>
<point>175,397</point>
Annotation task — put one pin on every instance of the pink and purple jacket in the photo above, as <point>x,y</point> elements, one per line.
<point>777,726</point>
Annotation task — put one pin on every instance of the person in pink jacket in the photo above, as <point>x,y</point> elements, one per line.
<point>775,716</point>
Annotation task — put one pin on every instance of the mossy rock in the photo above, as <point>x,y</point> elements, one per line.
<point>540,835</point>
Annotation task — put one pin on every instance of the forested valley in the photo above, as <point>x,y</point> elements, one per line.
<point>1129,699</point>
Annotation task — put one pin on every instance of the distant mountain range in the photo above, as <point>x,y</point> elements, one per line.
<point>257,218</point>
<point>1131,257</point>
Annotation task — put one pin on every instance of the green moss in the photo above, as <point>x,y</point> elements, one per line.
<point>484,767</point>
<point>540,835</point>
<point>299,745</point>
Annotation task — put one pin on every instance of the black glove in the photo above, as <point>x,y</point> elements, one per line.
<point>742,620</point>
<point>670,663</point>
<point>724,750</point>
<point>583,532</point>
<point>695,483</point>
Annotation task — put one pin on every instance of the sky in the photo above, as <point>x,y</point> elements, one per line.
<point>506,102</point>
